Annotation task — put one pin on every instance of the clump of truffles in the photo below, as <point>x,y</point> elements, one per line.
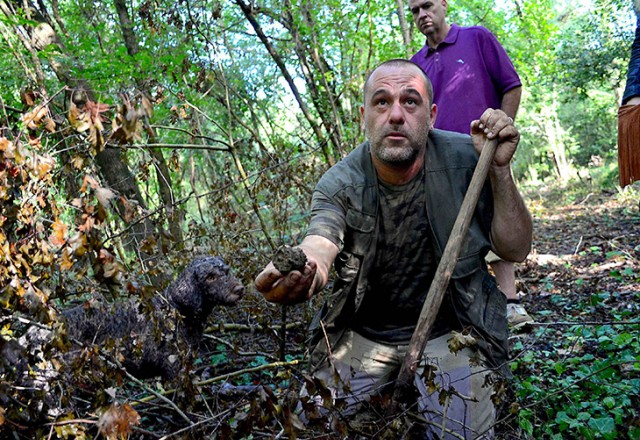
<point>287,258</point>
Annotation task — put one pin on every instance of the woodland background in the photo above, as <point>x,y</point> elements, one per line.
<point>136,135</point>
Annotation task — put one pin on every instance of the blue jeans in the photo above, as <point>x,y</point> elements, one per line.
<point>633,75</point>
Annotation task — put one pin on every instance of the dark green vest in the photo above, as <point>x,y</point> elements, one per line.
<point>449,165</point>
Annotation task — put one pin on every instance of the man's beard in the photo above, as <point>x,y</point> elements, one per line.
<point>399,155</point>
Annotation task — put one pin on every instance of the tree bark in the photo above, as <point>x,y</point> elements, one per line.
<point>163,176</point>
<point>404,26</point>
<point>247,10</point>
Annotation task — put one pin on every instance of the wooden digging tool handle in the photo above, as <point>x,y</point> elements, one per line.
<point>442,275</point>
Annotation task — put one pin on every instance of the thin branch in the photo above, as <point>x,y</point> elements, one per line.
<point>173,146</point>
<point>227,376</point>
<point>222,327</point>
<point>158,395</point>
<point>224,377</point>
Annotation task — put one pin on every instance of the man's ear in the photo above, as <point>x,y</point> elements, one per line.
<point>362,117</point>
<point>434,115</point>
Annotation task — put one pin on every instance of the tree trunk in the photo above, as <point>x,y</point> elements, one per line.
<point>174,216</point>
<point>404,26</point>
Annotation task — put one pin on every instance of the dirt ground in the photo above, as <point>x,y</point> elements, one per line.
<point>588,247</point>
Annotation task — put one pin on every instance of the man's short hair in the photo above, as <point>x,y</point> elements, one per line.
<point>400,62</point>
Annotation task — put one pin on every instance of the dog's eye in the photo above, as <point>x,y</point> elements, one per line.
<point>212,277</point>
<point>224,268</point>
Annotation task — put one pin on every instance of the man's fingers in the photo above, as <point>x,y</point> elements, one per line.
<point>266,279</point>
<point>493,122</point>
<point>292,288</point>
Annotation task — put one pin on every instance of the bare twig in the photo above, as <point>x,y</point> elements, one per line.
<point>223,377</point>
<point>248,370</point>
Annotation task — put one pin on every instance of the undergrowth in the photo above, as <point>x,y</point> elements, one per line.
<point>577,372</point>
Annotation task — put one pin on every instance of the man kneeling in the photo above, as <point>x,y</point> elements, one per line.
<point>383,216</point>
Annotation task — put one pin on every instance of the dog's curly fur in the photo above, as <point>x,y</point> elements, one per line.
<point>160,338</point>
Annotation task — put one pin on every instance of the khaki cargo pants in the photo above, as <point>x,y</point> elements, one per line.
<point>365,367</point>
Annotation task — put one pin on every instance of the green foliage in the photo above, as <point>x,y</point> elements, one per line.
<point>584,384</point>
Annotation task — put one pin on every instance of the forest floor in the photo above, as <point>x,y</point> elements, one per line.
<point>583,273</point>
<point>581,283</point>
<point>581,249</point>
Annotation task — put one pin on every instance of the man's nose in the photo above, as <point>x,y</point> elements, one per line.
<point>396,115</point>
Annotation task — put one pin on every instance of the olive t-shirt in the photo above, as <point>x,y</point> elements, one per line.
<point>403,270</point>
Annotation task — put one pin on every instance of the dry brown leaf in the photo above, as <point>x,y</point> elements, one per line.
<point>458,341</point>
<point>77,162</point>
<point>104,195</point>
<point>126,126</point>
<point>59,235</point>
<point>117,421</point>
<point>44,166</point>
<point>28,97</point>
<point>4,144</point>
<point>130,209</point>
<point>95,109</point>
<point>106,256</point>
<point>50,125</point>
<point>79,119</point>
<point>90,181</point>
<point>147,106</point>
<point>88,225</point>
<point>77,244</point>
<point>89,117</point>
<point>113,270</point>
<point>35,117</point>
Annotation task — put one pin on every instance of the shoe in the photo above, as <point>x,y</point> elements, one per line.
<point>517,316</point>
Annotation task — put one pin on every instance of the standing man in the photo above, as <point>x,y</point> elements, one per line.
<point>629,115</point>
<point>382,217</point>
<point>470,72</point>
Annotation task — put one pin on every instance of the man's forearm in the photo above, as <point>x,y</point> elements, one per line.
<point>511,102</point>
<point>512,226</point>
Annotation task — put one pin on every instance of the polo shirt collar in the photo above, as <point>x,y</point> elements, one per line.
<point>451,37</point>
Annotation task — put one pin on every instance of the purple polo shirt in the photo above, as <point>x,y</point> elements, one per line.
<point>470,72</point>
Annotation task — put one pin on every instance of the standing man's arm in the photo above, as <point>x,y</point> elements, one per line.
<point>511,102</point>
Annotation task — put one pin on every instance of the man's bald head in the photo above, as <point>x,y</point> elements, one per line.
<point>401,63</point>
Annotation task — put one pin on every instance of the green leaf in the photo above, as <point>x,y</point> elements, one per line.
<point>609,402</point>
<point>526,426</point>
<point>603,425</point>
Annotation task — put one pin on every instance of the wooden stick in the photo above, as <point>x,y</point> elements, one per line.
<point>443,274</point>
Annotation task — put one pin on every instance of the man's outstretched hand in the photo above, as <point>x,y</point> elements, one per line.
<point>292,288</point>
